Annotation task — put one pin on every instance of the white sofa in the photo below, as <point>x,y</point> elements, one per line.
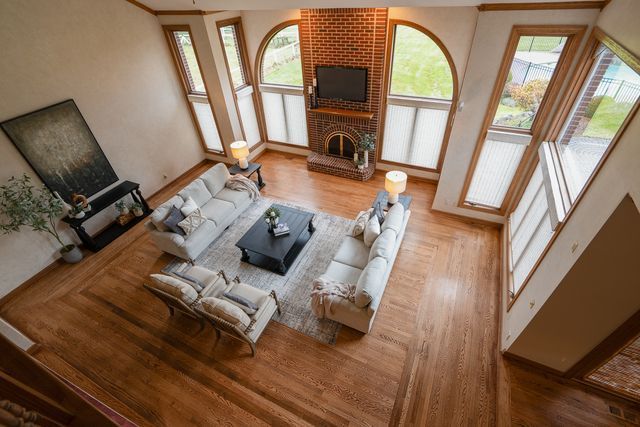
<point>220,205</point>
<point>368,268</point>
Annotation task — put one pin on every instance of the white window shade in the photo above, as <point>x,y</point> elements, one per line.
<point>285,116</point>
<point>530,229</point>
<point>207,125</point>
<point>248,116</point>
<point>496,167</point>
<point>413,135</point>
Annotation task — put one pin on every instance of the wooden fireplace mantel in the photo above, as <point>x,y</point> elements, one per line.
<point>364,115</point>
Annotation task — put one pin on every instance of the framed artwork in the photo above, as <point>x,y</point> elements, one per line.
<point>58,144</point>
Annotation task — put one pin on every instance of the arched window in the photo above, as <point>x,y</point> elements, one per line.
<point>281,88</point>
<point>421,88</point>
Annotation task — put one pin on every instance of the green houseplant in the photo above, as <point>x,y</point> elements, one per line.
<point>272,217</point>
<point>367,143</point>
<point>24,205</point>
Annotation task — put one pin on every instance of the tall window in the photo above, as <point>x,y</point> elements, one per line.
<point>526,81</point>
<point>591,119</point>
<point>232,41</point>
<point>186,59</point>
<point>281,87</point>
<point>419,100</point>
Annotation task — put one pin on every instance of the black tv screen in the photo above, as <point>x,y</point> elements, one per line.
<point>347,84</point>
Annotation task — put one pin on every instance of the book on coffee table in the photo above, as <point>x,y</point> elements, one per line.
<point>281,229</point>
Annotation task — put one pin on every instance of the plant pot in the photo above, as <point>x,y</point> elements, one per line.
<point>138,212</point>
<point>124,211</point>
<point>71,254</point>
<point>360,167</point>
<point>80,214</point>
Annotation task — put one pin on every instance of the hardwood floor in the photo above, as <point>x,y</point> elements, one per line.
<point>430,358</point>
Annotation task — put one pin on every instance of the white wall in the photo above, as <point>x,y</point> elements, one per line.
<point>620,175</point>
<point>112,59</point>
<point>490,41</point>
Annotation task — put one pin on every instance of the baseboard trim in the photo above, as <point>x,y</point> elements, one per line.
<point>530,363</point>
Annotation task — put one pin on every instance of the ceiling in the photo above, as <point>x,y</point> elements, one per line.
<point>296,4</point>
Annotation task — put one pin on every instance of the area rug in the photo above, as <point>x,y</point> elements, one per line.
<point>293,289</point>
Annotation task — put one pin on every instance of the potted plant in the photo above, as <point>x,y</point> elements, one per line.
<point>360,164</point>
<point>367,143</point>
<point>77,211</point>
<point>136,208</point>
<point>272,217</point>
<point>121,207</point>
<point>23,205</point>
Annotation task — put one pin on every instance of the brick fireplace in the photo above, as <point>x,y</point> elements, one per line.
<point>347,38</point>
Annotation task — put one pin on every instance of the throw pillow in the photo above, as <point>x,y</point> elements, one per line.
<point>161,213</point>
<point>189,206</point>
<point>242,302</point>
<point>361,222</point>
<point>195,283</point>
<point>379,212</point>
<point>175,287</point>
<point>226,311</point>
<point>371,231</point>
<point>192,222</point>
<point>174,217</point>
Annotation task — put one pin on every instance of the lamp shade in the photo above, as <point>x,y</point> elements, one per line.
<point>239,150</point>
<point>395,182</point>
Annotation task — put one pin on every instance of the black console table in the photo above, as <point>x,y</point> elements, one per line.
<point>114,230</point>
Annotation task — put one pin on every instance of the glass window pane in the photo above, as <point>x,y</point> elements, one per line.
<point>232,52</point>
<point>531,70</point>
<point>281,64</point>
<point>190,66</point>
<point>419,68</point>
<point>607,97</point>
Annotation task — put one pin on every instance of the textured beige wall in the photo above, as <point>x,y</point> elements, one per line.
<point>620,175</point>
<point>111,57</point>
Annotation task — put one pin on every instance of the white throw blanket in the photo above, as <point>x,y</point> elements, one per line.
<point>241,183</point>
<point>324,292</point>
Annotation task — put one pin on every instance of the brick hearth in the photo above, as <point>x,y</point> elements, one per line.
<point>348,38</point>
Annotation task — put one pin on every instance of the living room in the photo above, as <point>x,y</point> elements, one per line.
<point>322,213</point>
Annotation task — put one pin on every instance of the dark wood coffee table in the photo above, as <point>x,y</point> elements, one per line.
<point>277,254</point>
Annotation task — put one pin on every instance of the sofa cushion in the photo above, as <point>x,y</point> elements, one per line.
<point>173,219</point>
<point>340,272</point>
<point>174,286</point>
<point>394,218</point>
<point>215,178</point>
<point>226,311</point>
<point>371,281</point>
<point>160,213</point>
<point>384,245</point>
<point>188,207</point>
<point>371,231</point>
<point>197,191</point>
<point>361,222</point>
<point>192,222</point>
<point>217,210</point>
<point>352,252</point>
<point>238,198</point>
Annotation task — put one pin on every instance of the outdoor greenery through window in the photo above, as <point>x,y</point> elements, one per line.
<point>419,67</point>
<point>281,64</point>
<point>229,35</point>
<point>608,96</point>
<point>189,62</point>
<point>531,70</point>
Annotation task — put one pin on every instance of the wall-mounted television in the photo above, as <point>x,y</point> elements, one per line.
<point>346,84</point>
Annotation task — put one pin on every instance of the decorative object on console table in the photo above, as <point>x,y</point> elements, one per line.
<point>395,182</point>
<point>114,230</point>
<point>121,207</point>
<point>22,205</point>
<point>382,197</point>
<point>250,170</point>
<point>240,151</point>
<point>137,209</point>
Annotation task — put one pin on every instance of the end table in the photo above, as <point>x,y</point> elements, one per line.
<point>382,197</point>
<point>253,168</point>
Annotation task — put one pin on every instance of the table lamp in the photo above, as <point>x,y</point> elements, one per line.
<point>395,182</point>
<point>240,151</point>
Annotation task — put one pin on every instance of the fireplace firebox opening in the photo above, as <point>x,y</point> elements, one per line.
<point>340,144</point>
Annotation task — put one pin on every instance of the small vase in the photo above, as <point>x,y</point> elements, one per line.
<point>71,254</point>
<point>124,211</point>
<point>80,214</point>
<point>366,159</point>
<point>138,212</point>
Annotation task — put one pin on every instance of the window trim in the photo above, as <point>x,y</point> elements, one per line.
<point>387,98</point>
<point>270,87</point>
<point>186,88</point>
<point>246,72</point>
<point>574,34</point>
<point>571,94</point>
